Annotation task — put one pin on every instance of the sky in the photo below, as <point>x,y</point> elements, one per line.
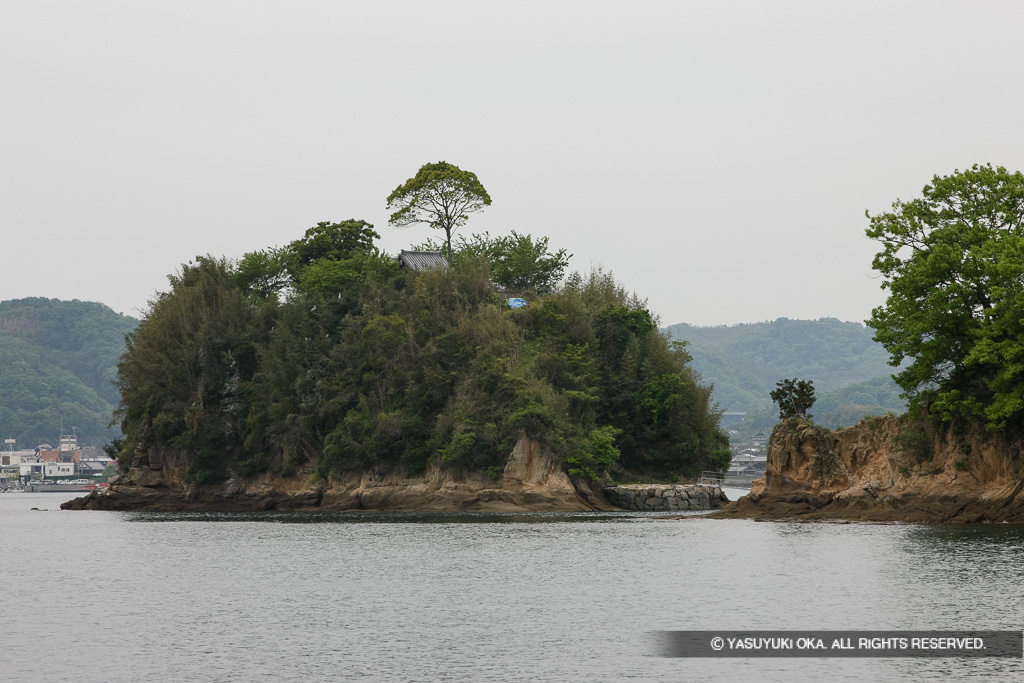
<point>717,157</point>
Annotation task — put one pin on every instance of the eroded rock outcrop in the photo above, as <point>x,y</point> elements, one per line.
<point>885,470</point>
<point>532,480</point>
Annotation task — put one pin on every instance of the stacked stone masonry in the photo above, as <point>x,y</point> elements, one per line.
<point>665,497</point>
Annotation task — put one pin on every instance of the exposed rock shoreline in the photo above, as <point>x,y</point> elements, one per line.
<point>864,473</point>
<point>532,481</point>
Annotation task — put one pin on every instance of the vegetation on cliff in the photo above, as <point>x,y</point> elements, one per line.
<point>953,263</point>
<point>325,352</point>
<point>58,360</point>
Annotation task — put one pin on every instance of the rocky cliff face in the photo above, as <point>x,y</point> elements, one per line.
<point>532,480</point>
<point>879,470</point>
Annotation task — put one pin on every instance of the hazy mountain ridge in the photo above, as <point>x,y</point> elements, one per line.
<point>837,408</point>
<point>745,361</point>
<point>58,360</point>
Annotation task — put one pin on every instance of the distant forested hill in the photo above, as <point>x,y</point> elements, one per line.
<point>837,408</point>
<point>745,361</point>
<point>58,360</point>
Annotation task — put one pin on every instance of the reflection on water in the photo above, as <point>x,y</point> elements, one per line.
<point>291,596</point>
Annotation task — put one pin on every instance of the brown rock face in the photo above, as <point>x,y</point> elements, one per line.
<point>532,481</point>
<point>880,470</point>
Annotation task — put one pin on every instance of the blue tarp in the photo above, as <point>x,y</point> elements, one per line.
<point>516,303</point>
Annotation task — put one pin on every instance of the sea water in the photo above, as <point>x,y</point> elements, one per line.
<point>321,596</point>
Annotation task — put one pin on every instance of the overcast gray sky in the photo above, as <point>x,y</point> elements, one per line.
<point>716,156</point>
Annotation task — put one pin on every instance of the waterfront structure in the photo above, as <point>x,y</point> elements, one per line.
<point>58,470</point>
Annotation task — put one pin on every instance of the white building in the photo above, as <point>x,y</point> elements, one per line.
<point>59,469</point>
<point>12,457</point>
<point>30,468</point>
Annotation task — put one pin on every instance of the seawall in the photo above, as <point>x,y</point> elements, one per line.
<point>665,497</point>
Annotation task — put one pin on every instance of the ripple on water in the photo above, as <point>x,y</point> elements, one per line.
<point>480,596</point>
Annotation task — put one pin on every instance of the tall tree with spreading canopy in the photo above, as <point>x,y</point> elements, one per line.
<point>441,195</point>
<point>794,396</point>
<point>953,263</point>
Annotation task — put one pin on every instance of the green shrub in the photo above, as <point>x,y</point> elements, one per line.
<point>594,456</point>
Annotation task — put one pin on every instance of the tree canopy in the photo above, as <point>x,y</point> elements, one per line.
<point>324,258</point>
<point>441,195</point>
<point>953,263</point>
<point>518,263</point>
<point>794,396</point>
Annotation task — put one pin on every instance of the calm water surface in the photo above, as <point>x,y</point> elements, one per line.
<point>105,596</point>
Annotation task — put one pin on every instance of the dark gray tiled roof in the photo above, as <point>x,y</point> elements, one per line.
<point>422,260</point>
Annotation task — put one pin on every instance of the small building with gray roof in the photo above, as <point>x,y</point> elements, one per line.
<point>421,260</point>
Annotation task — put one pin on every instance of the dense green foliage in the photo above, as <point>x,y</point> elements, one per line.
<point>440,195</point>
<point>519,263</point>
<point>953,263</point>
<point>594,455</point>
<point>326,260</point>
<point>794,397</point>
<point>58,360</point>
<point>743,362</point>
<point>385,370</point>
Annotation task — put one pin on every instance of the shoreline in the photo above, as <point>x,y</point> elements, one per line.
<point>532,481</point>
<point>862,474</point>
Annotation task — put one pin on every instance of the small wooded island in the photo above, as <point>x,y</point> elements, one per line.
<point>326,373</point>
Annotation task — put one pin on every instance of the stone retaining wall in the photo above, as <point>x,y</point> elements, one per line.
<point>665,497</point>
